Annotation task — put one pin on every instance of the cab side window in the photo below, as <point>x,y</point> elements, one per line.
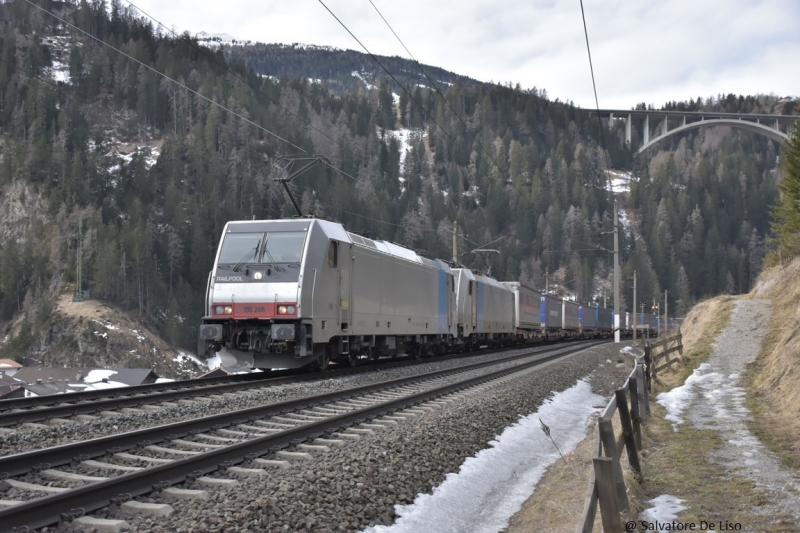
<point>333,254</point>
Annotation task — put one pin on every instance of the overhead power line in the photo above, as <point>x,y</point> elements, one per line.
<point>435,87</point>
<point>185,87</point>
<point>386,70</point>
<point>203,50</point>
<point>594,86</point>
<point>176,82</point>
<point>62,89</point>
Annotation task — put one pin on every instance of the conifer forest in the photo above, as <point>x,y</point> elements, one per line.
<point>135,146</point>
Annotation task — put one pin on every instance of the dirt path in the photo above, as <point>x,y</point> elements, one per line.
<point>698,448</point>
<point>713,399</point>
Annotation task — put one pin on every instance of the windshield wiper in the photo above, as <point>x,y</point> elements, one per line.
<point>272,262</point>
<point>253,251</point>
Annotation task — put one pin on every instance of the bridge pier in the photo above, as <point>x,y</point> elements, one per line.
<point>767,125</point>
<point>628,130</point>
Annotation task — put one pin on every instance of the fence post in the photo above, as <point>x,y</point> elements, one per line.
<point>589,509</point>
<point>644,399</point>
<point>680,341</point>
<point>627,433</point>
<point>651,367</point>
<point>609,506</point>
<point>610,447</point>
<point>637,427</point>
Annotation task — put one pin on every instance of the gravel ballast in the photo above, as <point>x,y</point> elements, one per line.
<point>358,484</point>
<point>43,435</point>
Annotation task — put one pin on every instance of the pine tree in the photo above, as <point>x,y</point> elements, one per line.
<point>786,215</point>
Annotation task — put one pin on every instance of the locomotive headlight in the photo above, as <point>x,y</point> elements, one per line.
<point>219,309</point>
<point>282,309</point>
<point>290,310</point>
<point>257,275</point>
<point>211,332</point>
<point>228,310</point>
<point>282,332</point>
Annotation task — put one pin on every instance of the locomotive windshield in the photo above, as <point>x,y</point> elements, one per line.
<point>250,248</point>
<point>284,247</point>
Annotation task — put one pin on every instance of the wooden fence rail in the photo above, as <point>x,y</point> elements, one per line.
<point>655,351</point>
<point>607,486</point>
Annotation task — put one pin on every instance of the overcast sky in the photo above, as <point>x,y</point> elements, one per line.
<point>643,50</point>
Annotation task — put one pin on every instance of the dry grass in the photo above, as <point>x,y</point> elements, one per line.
<point>559,495</point>
<point>557,505</point>
<point>704,322</point>
<point>772,381</point>
<point>681,464</point>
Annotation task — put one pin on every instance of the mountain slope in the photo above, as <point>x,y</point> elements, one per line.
<point>151,170</point>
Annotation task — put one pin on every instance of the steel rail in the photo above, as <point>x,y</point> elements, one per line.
<point>51,509</point>
<point>66,405</point>
<point>147,388</point>
<point>21,463</point>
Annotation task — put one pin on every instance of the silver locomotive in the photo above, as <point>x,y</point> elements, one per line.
<point>289,293</point>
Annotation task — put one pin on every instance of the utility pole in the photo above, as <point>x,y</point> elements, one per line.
<point>616,274</point>
<point>658,316</point>
<point>642,319</point>
<point>455,243</point>
<point>666,319</point>
<point>634,307</point>
<point>78,296</point>
<point>546,279</point>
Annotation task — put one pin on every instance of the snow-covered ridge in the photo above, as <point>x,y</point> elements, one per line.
<point>215,40</point>
<point>302,46</point>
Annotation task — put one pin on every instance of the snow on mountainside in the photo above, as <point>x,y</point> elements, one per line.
<point>620,180</point>
<point>215,40</point>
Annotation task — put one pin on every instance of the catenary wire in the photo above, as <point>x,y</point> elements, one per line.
<point>176,82</point>
<point>402,87</point>
<point>63,89</point>
<point>203,50</point>
<point>435,87</point>
<point>594,86</point>
<point>183,86</point>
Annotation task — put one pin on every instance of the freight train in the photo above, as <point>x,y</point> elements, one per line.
<point>306,292</point>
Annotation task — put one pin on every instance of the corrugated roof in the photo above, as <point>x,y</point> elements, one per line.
<point>8,385</point>
<point>31,374</point>
<point>50,388</point>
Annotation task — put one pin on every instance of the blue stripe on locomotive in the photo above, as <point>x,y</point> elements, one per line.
<point>580,317</point>
<point>543,312</point>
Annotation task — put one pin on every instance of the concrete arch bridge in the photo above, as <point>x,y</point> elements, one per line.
<point>773,126</point>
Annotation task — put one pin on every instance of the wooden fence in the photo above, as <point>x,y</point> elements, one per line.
<point>632,403</point>
<point>654,351</point>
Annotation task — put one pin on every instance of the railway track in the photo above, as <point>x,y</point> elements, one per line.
<point>132,464</point>
<point>38,409</point>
